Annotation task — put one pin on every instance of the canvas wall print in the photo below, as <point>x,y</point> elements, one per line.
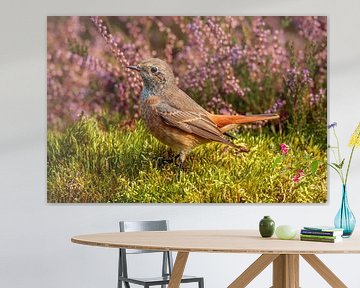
<point>187,109</point>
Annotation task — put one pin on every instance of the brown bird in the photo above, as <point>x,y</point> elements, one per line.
<point>176,119</point>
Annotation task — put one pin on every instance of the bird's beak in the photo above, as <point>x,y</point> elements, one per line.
<point>137,68</point>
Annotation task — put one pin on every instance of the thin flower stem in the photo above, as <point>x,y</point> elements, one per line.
<point>351,155</point>
<point>338,145</point>
<point>337,171</point>
<point>333,152</point>
<point>339,160</point>
<point>348,166</point>
<point>342,206</point>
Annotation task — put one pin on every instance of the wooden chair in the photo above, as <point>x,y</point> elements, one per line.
<point>167,262</point>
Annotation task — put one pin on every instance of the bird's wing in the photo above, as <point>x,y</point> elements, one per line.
<point>190,122</point>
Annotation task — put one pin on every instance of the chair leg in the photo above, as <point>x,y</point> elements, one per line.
<point>120,273</point>
<point>201,283</point>
<point>126,284</point>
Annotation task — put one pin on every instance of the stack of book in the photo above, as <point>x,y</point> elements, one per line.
<point>321,234</point>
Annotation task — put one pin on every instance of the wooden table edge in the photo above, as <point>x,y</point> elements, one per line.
<point>205,250</point>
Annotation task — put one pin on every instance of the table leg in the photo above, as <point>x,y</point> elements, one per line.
<point>178,270</point>
<point>324,271</point>
<point>253,270</point>
<point>286,271</point>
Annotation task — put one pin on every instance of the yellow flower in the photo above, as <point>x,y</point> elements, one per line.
<point>355,138</point>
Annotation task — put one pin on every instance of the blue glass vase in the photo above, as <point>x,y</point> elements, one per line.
<point>345,219</point>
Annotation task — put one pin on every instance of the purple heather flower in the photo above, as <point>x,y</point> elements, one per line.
<point>332,125</point>
<point>278,105</point>
<point>222,61</point>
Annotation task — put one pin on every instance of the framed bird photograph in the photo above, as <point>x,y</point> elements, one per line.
<point>180,109</point>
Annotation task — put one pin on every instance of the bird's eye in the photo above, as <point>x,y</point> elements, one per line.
<point>154,69</point>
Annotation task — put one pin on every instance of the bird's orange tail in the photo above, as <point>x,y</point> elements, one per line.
<point>225,120</point>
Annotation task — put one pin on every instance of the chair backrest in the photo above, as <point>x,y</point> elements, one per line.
<point>133,226</point>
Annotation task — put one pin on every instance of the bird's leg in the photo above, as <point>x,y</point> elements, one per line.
<point>182,156</point>
<point>168,158</point>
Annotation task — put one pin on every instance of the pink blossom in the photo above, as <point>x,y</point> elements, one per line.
<point>299,174</point>
<point>284,148</point>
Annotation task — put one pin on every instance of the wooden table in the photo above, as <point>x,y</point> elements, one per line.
<point>284,254</point>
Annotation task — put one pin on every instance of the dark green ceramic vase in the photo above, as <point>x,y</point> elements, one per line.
<point>266,226</point>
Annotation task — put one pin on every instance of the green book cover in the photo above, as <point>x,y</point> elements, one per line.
<point>327,240</point>
<point>319,236</point>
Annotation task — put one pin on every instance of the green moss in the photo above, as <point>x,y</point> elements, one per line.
<point>92,162</point>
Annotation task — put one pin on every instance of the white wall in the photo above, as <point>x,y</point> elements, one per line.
<point>35,248</point>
